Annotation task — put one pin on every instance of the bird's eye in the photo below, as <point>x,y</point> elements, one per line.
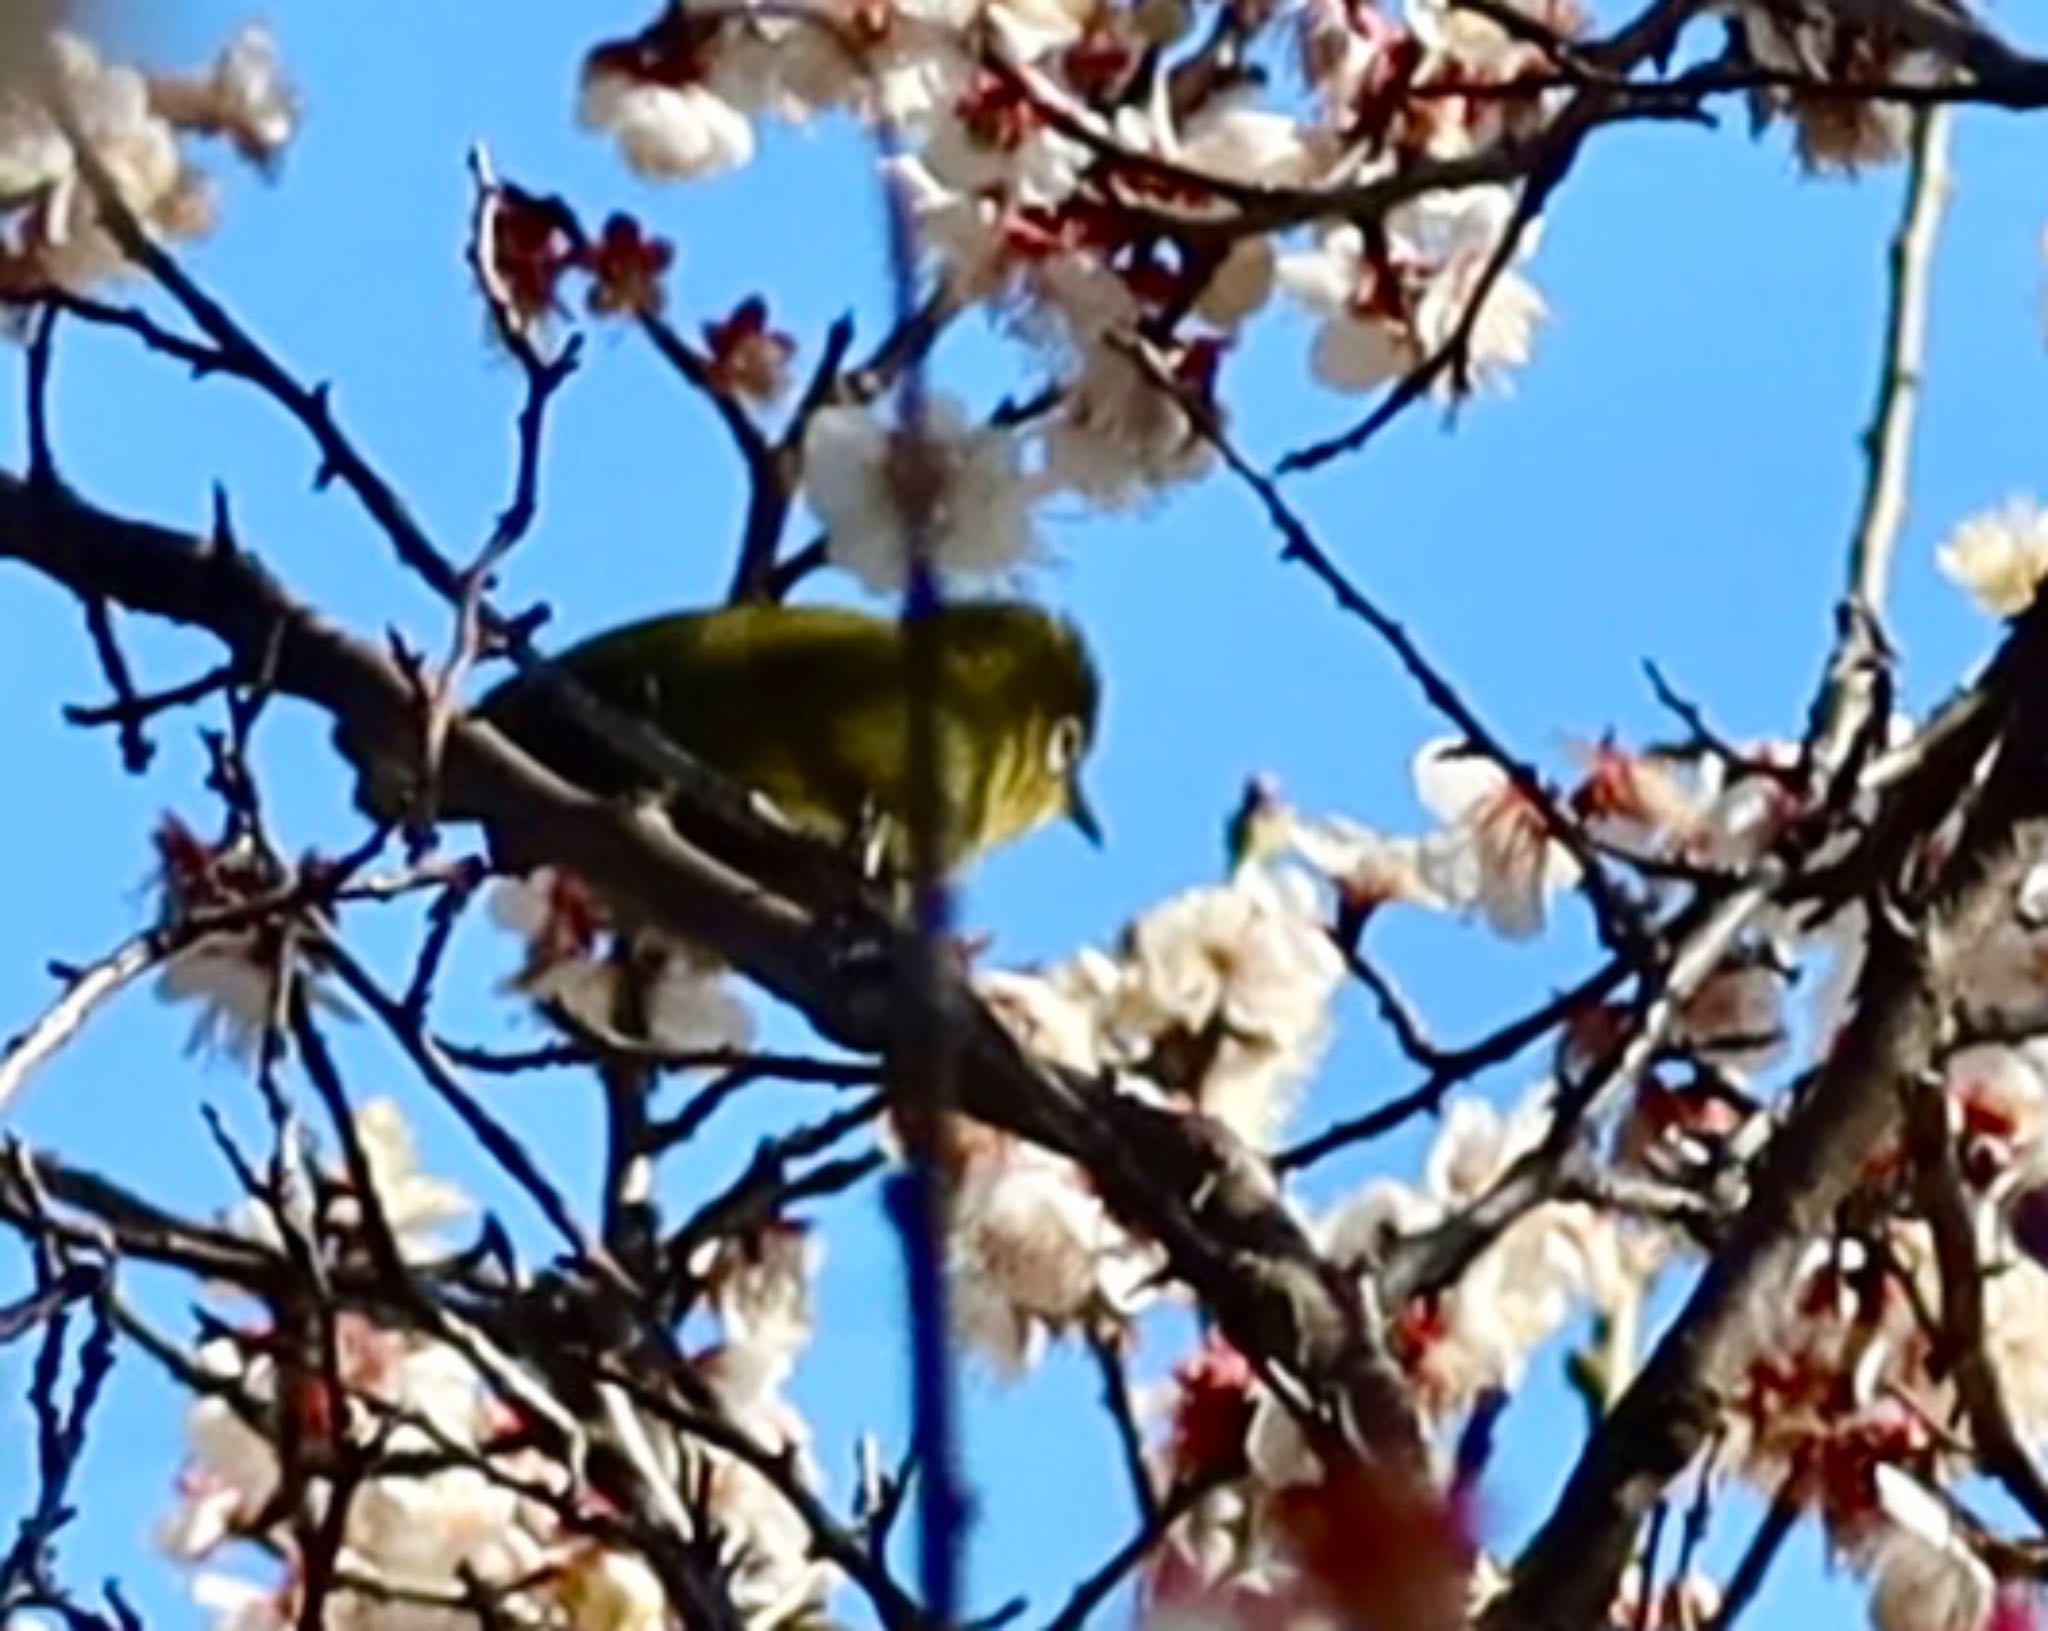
<point>1063,747</point>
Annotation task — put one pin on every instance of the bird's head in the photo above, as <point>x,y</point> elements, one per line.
<point>1053,697</point>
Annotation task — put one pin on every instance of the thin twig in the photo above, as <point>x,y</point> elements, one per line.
<point>1842,713</point>
<point>86,989</point>
<point>1620,921</point>
<point>766,1186</point>
<point>497,1140</point>
<point>136,748</point>
<point>42,347</point>
<point>1454,1065</point>
<point>1130,1438</point>
<point>142,707</point>
<point>235,351</point>
<point>1773,1529</point>
<point>446,912</point>
<point>1102,1582</point>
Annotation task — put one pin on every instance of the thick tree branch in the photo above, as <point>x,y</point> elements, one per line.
<point>1173,1177</point>
<point>1567,1577</point>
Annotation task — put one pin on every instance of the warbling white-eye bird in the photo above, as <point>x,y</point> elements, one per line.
<point>808,706</point>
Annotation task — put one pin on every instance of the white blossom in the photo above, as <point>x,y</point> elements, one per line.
<point>420,1532</point>
<point>666,132</point>
<point>230,1468</point>
<point>760,1285</point>
<point>1031,164</point>
<point>1649,802</point>
<point>234,986</point>
<point>1837,133</point>
<point>258,103</point>
<point>1923,1574</point>
<point>1229,138</point>
<point>2016,1330</point>
<point>962,228</point>
<point>50,229</point>
<point>776,1577</point>
<point>1056,1015</point>
<point>1368,868</point>
<point>909,57</point>
<point>1744,809</point>
<point>245,96</point>
<point>1386,315</point>
<point>1344,51</point>
<point>1365,339</point>
<point>1457,234</point>
<point>1241,284</point>
<point>1216,998</point>
<point>2000,556</point>
<point>962,481</point>
<point>1495,853</point>
<point>679,993</point>
<point>1227,989</point>
<point>236,1604</point>
<point>1030,29</point>
<point>1480,1332</point>
<point>692,1004</point>
<point>415,1204</point>
<point>686,1001</point>
<point>1034,1251</point>
<point>1118,436</point>
<point>1252,146</point>
<point>34,156</point>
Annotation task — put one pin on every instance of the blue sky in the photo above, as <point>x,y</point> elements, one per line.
<point>1675,478</point>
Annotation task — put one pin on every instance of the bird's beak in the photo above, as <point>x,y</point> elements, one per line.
<point>1080,814</point>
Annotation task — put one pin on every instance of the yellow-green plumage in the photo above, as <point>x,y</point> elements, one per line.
<point>807,705</point>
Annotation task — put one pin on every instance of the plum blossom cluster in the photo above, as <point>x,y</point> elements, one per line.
<point>1821,46</point>
<point>961,482</point>
<point>1555,1262</point>
<point>1849,1404</point>
<point>1126,197</point>
<point>1217,998</point>
<point>140,129</point>
<point>1034,1254</point>
<point>1106,209</point>
<point>1495,853</point>
<point>418,1534</point>
<point>1290,1530</point>
<point>1389,305</point>
<point>448,1500</point>
<point>758,1284</point>
<point>1303,1537</point>
<point>1215,1001</point>
<point>582,969</point>
<point>1505,847</point>
<point>415,1206</point>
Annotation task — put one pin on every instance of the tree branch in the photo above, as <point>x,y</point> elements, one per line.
<point>1173,1177</point>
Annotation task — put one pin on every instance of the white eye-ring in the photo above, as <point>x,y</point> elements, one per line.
<point>1063,746</point>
